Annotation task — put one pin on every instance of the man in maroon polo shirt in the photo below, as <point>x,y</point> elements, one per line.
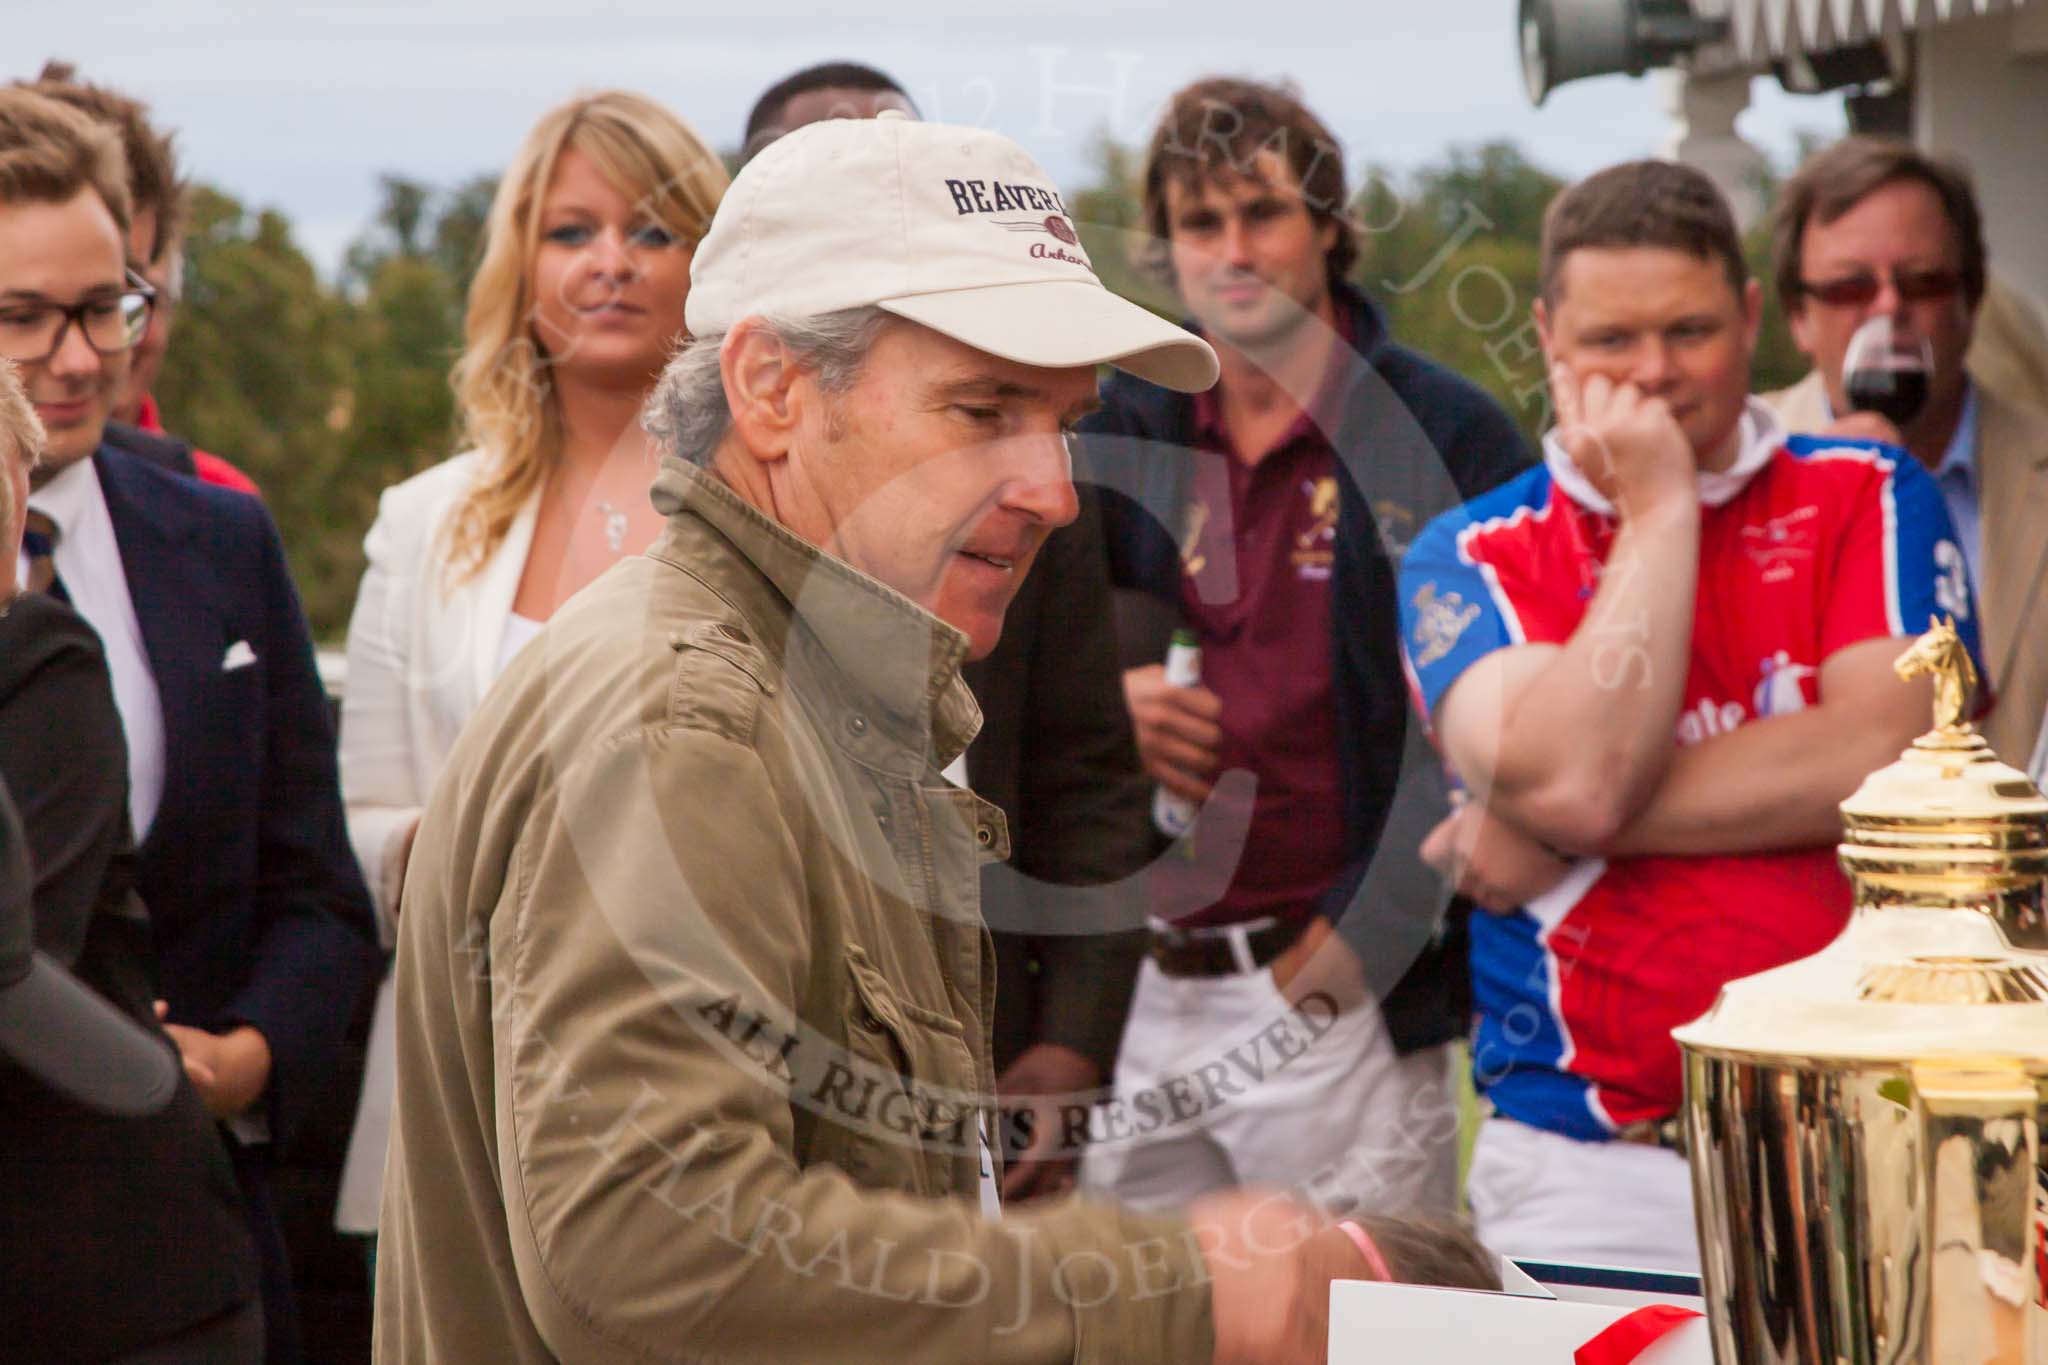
<point>1292,1023</point>
<point>1259,544</point>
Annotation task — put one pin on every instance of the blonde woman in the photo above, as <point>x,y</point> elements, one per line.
<point>574,311</point>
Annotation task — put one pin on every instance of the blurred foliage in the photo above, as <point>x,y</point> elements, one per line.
<point>327,392</point>
<point>1448,251</point>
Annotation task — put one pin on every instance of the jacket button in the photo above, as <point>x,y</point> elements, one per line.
<point>984,836</point>
<point>676,640</point>
<point>857,725</point>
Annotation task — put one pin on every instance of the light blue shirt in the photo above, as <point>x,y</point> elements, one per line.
<point>1956,477</point>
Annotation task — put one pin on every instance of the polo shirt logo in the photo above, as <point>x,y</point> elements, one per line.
<point>1313,552</point>
<point>1951,580</point>
<point>1439,621</point>
<point>1777,545</point>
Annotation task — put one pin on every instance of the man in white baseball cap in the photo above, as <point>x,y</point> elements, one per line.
<point>693,990</point>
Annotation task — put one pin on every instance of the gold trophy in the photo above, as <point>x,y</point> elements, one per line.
<point>1865,1125</point>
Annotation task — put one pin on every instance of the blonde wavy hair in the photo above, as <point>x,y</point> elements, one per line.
<point>21,438</point>
<point>503,384</point>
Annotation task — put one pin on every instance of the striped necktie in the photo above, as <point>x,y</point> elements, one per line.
<point>40,541</point>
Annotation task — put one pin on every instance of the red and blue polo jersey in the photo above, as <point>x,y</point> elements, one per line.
<point>1806,545</point>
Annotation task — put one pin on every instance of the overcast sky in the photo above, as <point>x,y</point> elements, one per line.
<point>300,110</point>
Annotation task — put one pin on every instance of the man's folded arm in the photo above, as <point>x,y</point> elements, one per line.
<point>1568,741</point>
<point>1777,782</point>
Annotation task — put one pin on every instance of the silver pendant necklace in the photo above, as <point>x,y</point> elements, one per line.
<point>614,526</point>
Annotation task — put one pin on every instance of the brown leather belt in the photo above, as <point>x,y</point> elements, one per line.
<point>1213,952</point>
<point>1666,1133</point>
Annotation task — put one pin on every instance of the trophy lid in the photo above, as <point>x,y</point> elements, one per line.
<point>1948,852</point>
<point>1947,810</point>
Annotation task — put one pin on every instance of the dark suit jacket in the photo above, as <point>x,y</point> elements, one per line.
<point>259,910</point>
<point>115,1233</point>
<point>1056,753</point>
<point>166,451</point>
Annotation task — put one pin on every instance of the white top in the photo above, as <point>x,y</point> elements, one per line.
<point>422,652</point>
<point>518,630</point>
<point>88,559</point>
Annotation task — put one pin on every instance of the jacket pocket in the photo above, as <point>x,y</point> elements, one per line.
<point>915,1125</point>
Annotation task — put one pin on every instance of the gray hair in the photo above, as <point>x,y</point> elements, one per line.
<point>687,412</point>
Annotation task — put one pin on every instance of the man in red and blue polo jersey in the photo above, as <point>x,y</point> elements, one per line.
<point>1658,663</point>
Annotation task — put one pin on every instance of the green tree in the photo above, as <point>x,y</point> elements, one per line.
<point>1450,253</point>
<point>327,396</point>
<point>458,240</point>
<point>258,372</point>
<point>1109,217</point>
<point>406,277</point>
<point>396,229</point>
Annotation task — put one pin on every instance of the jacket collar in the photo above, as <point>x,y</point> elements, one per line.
<point>1758,438</point>
<point>899,664</point>
<point>130,484</point>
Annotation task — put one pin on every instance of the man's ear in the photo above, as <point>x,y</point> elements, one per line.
<point>760,376</point>
<point>1540,313</point>
<point>1752,313</point>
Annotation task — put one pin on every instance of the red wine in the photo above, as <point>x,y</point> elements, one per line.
<point>1895,395</point>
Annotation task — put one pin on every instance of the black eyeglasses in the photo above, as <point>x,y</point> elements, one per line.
<point>1858,290</point>
<point>31,331</point>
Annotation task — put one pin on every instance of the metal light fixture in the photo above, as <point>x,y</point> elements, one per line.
<point>1567,40</point>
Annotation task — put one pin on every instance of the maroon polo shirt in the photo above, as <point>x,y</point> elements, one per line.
<point>1256,556</point>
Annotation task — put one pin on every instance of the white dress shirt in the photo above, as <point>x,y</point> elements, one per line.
<point>88,559</point>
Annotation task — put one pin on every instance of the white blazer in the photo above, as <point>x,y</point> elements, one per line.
<point>420,658</point>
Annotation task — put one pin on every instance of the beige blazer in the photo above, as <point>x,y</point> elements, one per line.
<point>2012,494</point>
<point>420,658</point>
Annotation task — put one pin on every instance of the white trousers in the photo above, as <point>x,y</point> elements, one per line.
<point>1221,1082</point>
<point>1538,1195</point>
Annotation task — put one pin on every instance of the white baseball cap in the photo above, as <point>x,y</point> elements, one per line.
<point>955,228</point>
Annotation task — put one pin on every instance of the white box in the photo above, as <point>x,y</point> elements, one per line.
<point>1548,1312</point>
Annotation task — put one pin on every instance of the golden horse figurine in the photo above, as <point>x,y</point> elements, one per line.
<point>1940,652</point>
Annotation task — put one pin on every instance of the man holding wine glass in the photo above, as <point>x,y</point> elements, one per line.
<point>1880,262</point>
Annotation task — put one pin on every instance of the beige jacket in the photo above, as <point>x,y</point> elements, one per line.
<point>2012,598</point>
<point>694,1001</point>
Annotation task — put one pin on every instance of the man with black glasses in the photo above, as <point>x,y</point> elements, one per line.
<point>261,924</point>
<point>1871,228</point>
<point>156,252</point>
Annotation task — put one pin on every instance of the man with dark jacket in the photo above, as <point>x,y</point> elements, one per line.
<point>259,919</point>
<point>156,252</point>
<point>1271,513</point>
<point>122,1236</point>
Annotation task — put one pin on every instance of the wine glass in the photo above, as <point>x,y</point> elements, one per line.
<point>1886,371</point>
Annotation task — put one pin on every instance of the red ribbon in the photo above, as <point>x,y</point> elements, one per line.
<point>1626,1338</point>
